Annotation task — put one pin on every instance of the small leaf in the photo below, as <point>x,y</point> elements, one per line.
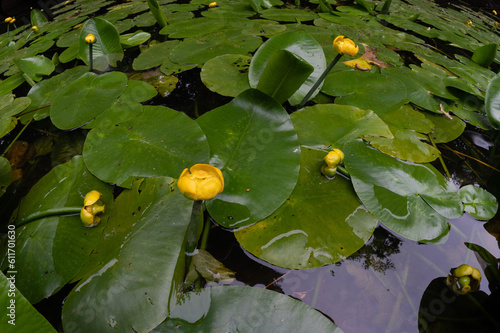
<point>134,39</point>
<point>478,202</point>
<point>35,67</point>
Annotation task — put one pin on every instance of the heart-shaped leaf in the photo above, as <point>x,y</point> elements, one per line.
<point>478,202</point>
<point>411,199</point>
<point>85,98</point>
<point>253,142</point>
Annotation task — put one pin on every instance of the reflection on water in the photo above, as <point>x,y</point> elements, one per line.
<point>378,289</point>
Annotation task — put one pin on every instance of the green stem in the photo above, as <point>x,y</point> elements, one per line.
<point>321,78</point>
<point>17,137</point>
<point>205,234</point>
<point>47,213</point>
<point>192,232</point>
<point>440,157</point>
<point>91,58</point>
<point>343,171</point>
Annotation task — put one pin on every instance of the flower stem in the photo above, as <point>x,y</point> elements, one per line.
<point>439,156</point>
<point>192,232</point>
<point>343,171</point>
<point>57,211</point>
<point>91,58</point>
<point>321,78</point>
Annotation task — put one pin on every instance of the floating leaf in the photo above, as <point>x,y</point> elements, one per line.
<point>253,142</point>
<point>121,288</point>
<point>85,98</point>
<point>478,202</point>
<point>35,67</point>
<point>322,221</point>
<point>154,55</point>
<point>18,312</point>
<point>413,200</point>
<point>288,15</point>
<point>67,243</point>
<point>258,310</point>
<point>299,43</point>
<point>492,102</point>
<point>193,27</point>
<point>218,71</point>
<point>157,142</point>
<point>38,18</point>
<point>107,49</point>
<point>134,39</point>
<point>484,55</point>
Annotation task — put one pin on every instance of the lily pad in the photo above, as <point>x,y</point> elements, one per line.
<point>253,142</point>
<point>154,55</point>
<point>218,71</point>
<point>107,49</point>
<point>299,43</point>
<point>244,309</point>
<point>288,15</point>
<point>67,243</point>
<point>478,202</point>
<point>322,221</point>
<point>193,27</point>
<point>22,316</point>
<point>493,102</point>
<point>411,199</point>
<point>134,39</point>
<point>35,67</point>
<point>123,289</point>
<point>158,142</point>
<point>85,98</point>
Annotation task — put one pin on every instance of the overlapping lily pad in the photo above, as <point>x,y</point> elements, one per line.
<point>411,199</point>
<point>244,309</point>
<point>253,142</point>
<point>218,71</point>
<point>322,221</point>
<point>158,142</point>
<point>478,202</point>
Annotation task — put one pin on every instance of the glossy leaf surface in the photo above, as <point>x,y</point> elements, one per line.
<point>121,288</point>
<point>244,309</point>
<point>218,71</point>
<point>322,221</point>
<point>253,142</point>
<point>478,202</point>
<point>158,142</point>
<point>492,102</point>
<point>411,199</point>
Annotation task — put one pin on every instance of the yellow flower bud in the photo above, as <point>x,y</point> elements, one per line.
<point>12,20</point>
<point>201,182</point>
<point>34,28</point>
<point>90,39</point>
<point>494,12</point>
<point>329,172</point>
<point>476,274</point>
<point>462,270</point>
<point>92,206</point>
<point>345,46</point>
<point>8,19</point>
<point>212,4</point>
<point>334,158</point>
<point>469,23</point>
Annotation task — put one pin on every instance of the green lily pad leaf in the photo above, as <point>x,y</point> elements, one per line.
<point>127,106</point>
<point>284,73</point>
<point>14,106</point>
<point>134,39</point>
<point>478,202</point>
<point>38,18</point>
<point>7,124</point>
<point>324,126</point>
<point>247,138</point>
<point>218,71</point>
<point>11,83</point>
<point>123,289</point>
<point>199,49</point>
<point>19,315</point>
<point>42,93</point>
<point>371,91</point>
<point>65,241</point>
<point>213,309</point>
<point>265,28</point>
<point>35,67</point>
<point>299,43</point>
<point>445,129</point>
<point>484,55</point>
<point>413,200</point>
<point>288,15</point>
<point>85,98</point>
<point>158,142</point>
<point>154,55</point>
<point>193,27</point>
<point>5,174</point>
<point>230,10</point>
<point>107,49</point>
<point>288,239</point>
<point>492,102</point>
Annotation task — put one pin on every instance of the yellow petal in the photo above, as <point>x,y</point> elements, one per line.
<point>91,198</point>
<point>86,217</point>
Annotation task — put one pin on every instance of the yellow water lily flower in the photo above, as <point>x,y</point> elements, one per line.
<point>90,39</point>
<point>464,279</point>
<point>201,182</point>
<point>334,158</point>
<point>92,206</point>
<point>34,28</point>
<point>469,23</point>
<point>345,46</point>
<point>8,19</point>
<point>494,12</point>
<point>212,4</point>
